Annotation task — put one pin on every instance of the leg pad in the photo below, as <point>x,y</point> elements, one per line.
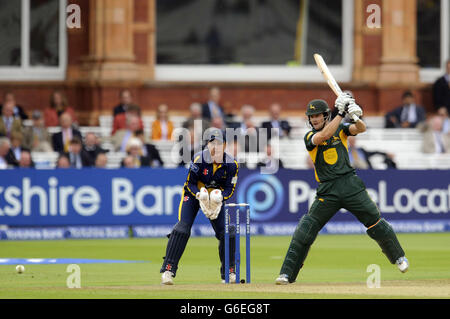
<point>384,235</point>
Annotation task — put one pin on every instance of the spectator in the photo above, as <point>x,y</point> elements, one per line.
<point>120,120</point>
<point>8,123</point>
<point>63,161</point>
<point>125,99</point>
<point>7,158</point>
<point>78,157</point>
<point>101,161</point>
<point>196,115</point>
<point>18,111</point>
<point>434,140</point>
<point>134,149</point>
<point>91,147</point>
<point>162,127</point>
<point>441,90</point>
<point>233,148</point>
<point>408,115</point>
<point>61,140</point>
<point>283,126</point>
<point>218,122</point>
<point>442,112</point>
<point>360,158</point>
<point>128,162</point>
<point>246,130</point>
<point>26,160</point>
<point>36,137</point>
<point>149,151</point>
<point>121,137</point>
<point>188,148</point>
<point>270,161</point>
<point>58,106</point>
<point>16,144</point>
<point>212,108</point>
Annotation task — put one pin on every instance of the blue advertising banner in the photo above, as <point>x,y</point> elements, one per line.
<point>151,197</point>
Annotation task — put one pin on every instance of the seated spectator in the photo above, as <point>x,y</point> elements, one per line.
<point>408,115</point>
<point>16,144</point>
<point>121,137</point>
<point>196,115</point>
<point>91,146</point>
<point>9,123</point>
<point>18,110</point>
<point>128,162</point>
<point>58,106</point>
<point>101,161</point>
<point>162,127</point>
<point>212,108</point>
<point>149,151</point>
<point>360,158</point>
<point>36,137</point>
<point>218,122</point>
<point>7,159</point>
<point>78,157</point>
<point>246,130</point>
<point>270,161</point>
<point>25,159</point>
<point>61,140</point>
<point>134,149</point>
<point>233,148</point>
<point>442,112</point>
<point>435,141</point>
<point>120,120</point>
<point>283,126</point>
<point>441,90</point>
<point>125,100</point>
<point>63,161</point>
<point>188,148</point>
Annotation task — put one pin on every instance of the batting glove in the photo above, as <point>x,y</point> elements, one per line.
<point>355,110</point>
<point>342,102</point>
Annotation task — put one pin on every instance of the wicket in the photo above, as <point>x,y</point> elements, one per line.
<point>238,242</point>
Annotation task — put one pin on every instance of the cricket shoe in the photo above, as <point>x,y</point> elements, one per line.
<point>402,264</point>
<point>282,279</point>
<point>232,278</point>
<point>167,278</point>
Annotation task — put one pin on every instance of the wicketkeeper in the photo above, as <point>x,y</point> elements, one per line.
<point>339,187</point>
<point>210,182</point>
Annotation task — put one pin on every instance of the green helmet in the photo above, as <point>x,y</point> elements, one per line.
<point>317,107</point>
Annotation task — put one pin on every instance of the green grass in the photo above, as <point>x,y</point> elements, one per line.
<point>334,262</point>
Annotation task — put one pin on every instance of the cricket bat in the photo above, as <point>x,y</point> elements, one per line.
<point>329,77</point>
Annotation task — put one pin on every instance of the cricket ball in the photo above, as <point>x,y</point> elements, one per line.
<point>20,269</point>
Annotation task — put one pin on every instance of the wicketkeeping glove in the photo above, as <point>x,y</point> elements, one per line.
<point>215,203</point>
<point>342,102</point>
<point>203,199</point>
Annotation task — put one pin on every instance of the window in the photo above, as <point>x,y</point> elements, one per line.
<point>252,40</point>
<point>429,33</point>
<point>433,37</point>
<point>33,45</point>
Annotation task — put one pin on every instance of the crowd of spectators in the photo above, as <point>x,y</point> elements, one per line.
<point>76,150</point>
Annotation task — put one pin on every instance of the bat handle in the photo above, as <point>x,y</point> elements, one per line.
<point>355,118</point>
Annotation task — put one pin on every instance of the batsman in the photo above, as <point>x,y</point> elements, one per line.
<point>211,180</point>
<point>339,187</point>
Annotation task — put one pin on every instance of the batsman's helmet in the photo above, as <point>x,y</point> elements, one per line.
<point>317,107</point>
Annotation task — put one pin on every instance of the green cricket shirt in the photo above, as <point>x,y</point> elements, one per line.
<point>330,158</point>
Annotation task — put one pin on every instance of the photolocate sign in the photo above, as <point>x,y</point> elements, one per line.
<point>152,196</point>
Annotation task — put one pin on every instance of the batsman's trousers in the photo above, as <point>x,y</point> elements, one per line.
<point>347,192</point>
